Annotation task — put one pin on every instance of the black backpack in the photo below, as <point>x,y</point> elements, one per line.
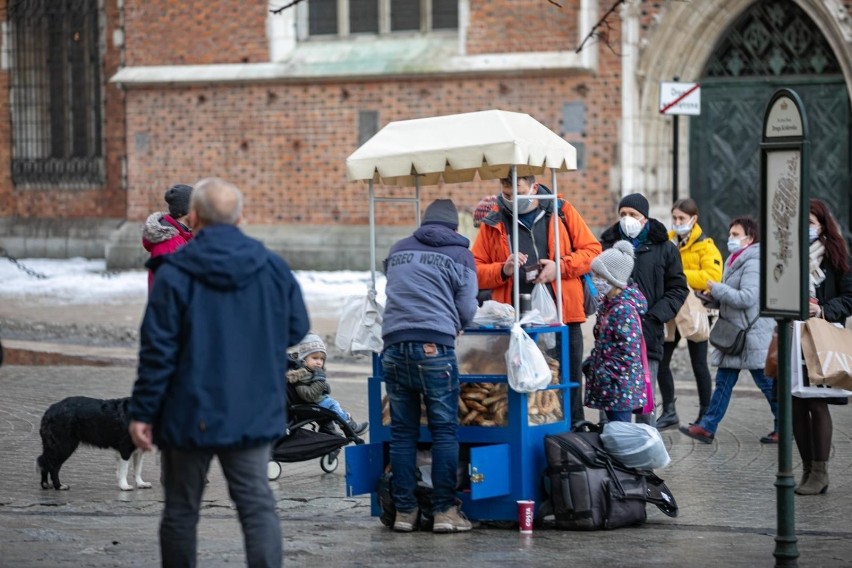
<point>591,490</point>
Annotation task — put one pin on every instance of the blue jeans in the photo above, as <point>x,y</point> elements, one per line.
<point>183,482</point>
<point>331,404</point>
<point>726,378</point>
<point>619,415</point>
<point>409,374</point>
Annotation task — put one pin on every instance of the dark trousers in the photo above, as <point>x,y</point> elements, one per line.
<point>183,482</point>
<point>575,369</point>
<point>698,359</point>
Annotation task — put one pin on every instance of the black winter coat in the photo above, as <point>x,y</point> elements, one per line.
<point>659,273</point>
<point>835,293</point>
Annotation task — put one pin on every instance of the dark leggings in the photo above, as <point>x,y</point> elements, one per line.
<point>698,358</point>
<point>812,428</point>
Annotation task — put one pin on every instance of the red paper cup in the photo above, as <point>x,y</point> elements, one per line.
<point>526,511</point>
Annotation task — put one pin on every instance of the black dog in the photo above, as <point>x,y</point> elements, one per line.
<point>91,421</point>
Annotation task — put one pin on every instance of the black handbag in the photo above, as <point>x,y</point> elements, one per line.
<point>728,338</point>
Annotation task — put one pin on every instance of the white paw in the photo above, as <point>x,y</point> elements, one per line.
<point>125,486</point>
<point>143,484</point>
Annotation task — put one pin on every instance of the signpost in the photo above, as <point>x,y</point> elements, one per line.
<point>784,158</point>
<point>675,99</point>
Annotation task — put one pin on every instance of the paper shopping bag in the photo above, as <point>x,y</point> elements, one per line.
<point>691,320</point>
<point>828,353</point>
<point>800,386</point>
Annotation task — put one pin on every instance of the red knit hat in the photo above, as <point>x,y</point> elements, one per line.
<point>483,208</point>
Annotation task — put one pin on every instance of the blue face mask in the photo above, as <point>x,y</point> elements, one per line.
<point>734,244</point>
<point>813,234</point>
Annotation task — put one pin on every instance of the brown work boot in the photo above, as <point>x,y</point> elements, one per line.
<point>406,522</point>
<point>450,521</point>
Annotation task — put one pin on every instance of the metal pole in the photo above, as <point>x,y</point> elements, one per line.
<point>675,129</point>
<point>556,252</point>
<point>372,237</point>
<point>516,277</point>
<point>786,553</point>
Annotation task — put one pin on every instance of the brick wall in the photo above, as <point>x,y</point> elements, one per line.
<point>47,202</point>
<point>165,32</point>
<point>286,145</point>
<point>521,26</point>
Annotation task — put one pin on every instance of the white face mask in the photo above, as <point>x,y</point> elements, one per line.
<point>734,244</point>
<point>630,226</point>
<point>524,205</point>
<point>813,233</point>
<point>683,229</point>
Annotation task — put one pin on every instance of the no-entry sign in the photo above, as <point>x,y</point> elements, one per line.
<point>680,98</point>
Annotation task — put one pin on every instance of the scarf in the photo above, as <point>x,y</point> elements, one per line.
<point>816,252</point>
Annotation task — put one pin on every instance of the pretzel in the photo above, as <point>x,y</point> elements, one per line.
<point>475,395</point>
<point>548,401</point>
<point>500,416</point>
<point>477,406</point>
<point>494,398</point>
<point>463,409</point>
<point>471,416</point>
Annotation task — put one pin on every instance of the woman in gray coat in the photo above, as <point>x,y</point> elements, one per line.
<point>738,297</point>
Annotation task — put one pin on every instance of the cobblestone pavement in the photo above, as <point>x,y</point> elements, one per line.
<point>725,492</point>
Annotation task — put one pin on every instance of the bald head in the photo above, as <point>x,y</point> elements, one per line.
<point>215,201</point>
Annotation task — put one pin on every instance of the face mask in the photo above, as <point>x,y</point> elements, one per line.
<point>813,233</point>
<point>603,286</point>
<point>630,226</point>
<point>524,205</point>
<point>733,244</point>
<point>682,229</point>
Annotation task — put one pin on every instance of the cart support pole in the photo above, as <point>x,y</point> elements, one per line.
<point>516,276</point>
<point>372,236</point>
<point>557,257</point>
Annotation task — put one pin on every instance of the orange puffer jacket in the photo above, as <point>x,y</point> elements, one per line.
<point>577,247</point>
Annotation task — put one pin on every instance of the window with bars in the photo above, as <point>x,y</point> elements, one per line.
<point>55,92</point>
<point>347,17</point>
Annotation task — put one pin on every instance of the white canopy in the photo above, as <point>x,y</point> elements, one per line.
<point>455,148</point>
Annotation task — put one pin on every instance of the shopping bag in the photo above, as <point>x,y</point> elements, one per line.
<point>691,320</point>
<point>800,385</point>
<point>360,327</point>
<point>543,302</point>
<point>526,366</point>
<point>828,353</point>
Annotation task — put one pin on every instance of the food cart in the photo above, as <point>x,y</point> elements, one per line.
<point>502,455</point>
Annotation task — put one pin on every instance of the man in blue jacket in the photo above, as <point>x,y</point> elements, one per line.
<point>431,296</point>
<point>221,314</point>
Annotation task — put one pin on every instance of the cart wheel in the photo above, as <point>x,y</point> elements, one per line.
<point>273,470</point>
<point>329,463</point>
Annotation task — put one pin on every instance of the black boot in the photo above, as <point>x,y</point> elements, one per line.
<point>358,427</point>
<point>668,419</point>
<point>702,410</point>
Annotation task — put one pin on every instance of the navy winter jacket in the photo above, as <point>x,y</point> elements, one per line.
<point>431,287</point>
<point>214,339</point>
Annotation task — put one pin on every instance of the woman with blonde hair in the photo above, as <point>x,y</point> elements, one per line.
<point>830,286</point>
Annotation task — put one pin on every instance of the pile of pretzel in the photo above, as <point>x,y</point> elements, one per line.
<point>486,404</point>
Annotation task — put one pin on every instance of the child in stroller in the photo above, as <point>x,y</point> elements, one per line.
<point>311,431</point>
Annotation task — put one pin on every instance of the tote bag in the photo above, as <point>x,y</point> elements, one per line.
<point>800,385</point>
<point>691,320</point>
<point>828,353</point>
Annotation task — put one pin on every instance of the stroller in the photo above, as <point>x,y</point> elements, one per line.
<point>310,434</point>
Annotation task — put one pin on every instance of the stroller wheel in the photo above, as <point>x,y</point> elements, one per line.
<point>329,462</point>
<point>273,470</point>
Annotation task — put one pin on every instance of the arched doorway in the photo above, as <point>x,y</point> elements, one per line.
<point>772,44</point>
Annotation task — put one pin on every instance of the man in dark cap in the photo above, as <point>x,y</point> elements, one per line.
<point>164,233</point>
<point>658,271</point>
<point>431,296</point>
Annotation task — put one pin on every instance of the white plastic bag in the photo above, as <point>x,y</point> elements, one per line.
<point>635,445</point>
<point>494,313</point>
<point>543,302</point>
<point>526,366</point>
<point>360,327</point>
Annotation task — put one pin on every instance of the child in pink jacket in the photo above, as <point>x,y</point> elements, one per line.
<point>164,233</point>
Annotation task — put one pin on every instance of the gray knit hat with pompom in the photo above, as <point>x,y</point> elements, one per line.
<point>615,265</point>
